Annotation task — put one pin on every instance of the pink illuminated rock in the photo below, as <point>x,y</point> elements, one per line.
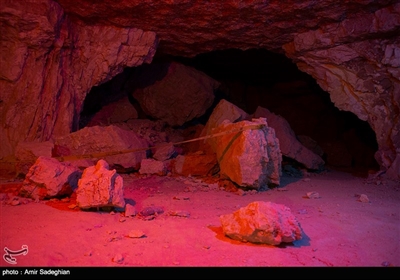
<point>288,142</point>
<point>262,222</point>
<point>98,139</point>
<point>152,166</point>
<point>48,60</point>
<point>100,187</point>
<point>195,164</point>
<point>223,111</point>
<point>249,153</point>
<point>182,93</point>
<point>164,151</point>
<point>54,52</point>
<point>49,178</point>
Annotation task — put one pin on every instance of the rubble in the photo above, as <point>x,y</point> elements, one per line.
<point>262,222</point>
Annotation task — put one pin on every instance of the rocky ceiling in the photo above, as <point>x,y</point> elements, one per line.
<point>54,52</point>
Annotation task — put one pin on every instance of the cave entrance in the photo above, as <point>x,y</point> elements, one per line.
<point>257,77</point>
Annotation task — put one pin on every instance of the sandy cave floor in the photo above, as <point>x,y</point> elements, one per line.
<point>338,229</point>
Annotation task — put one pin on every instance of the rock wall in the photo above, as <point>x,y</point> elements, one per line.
<point>358,62</point>
<point>52,54</point>
<point>49,63</point>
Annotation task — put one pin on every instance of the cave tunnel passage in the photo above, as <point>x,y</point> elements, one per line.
<point>255,78</point>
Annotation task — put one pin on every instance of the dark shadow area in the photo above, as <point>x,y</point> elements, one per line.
<point>253,78</point>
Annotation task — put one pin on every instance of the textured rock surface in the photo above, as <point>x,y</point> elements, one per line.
<point>357,61</point>
<point>164,151</point>
<point>195,164</point>
<point>47,59</point>
<point>262,222</point>
<point>100,187</point>
<point>152,166</point>
<point>107,139</point>
<point>49,178</point>
<point>53,54</point>
<point>177,94</point>
<point>249,154</point>
<point>288,142</point>
<point>223,111</point>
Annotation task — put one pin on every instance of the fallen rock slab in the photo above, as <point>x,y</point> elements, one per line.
<point>49,178</point>
<point>100,187</point>
<point>222,112</point>
<point>109,139</point>
<point>262,222</point>
<point>248,153</point>
<point>173,92</point>
<point>195,164</point>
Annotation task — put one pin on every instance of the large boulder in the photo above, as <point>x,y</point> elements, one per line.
<point>100,187</point>
<point>49,178</point>
<point>248,153</point>
<point>181,94</point>
<point>288,142</point>
<point>262,222</point>
<point>90,141</point>
<point>223,111</point>
<point>195,164</point>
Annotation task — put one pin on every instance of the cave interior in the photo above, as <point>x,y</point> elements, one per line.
<point>258,77</point>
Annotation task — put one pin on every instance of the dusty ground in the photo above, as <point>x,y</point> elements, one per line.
<point>338,229</point>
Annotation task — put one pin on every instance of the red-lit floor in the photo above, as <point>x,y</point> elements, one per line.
<point>338,230</point>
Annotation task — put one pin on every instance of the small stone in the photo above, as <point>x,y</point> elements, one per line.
<point>363,198</point>
<point>118,258</point>
<point>136,234</point>
<point>240,192</point>
<point>130,210</point>
<point>72,206</point>
<point>179,213</point>
<point>151,210</point>
<point>302,211</point>
<point>312,195</point>
<point>121,220</point>
<point>88,254</point>
<point>15,202</point>
<point>180,198</point>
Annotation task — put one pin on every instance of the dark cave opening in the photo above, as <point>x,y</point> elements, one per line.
<point>253,78</point>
